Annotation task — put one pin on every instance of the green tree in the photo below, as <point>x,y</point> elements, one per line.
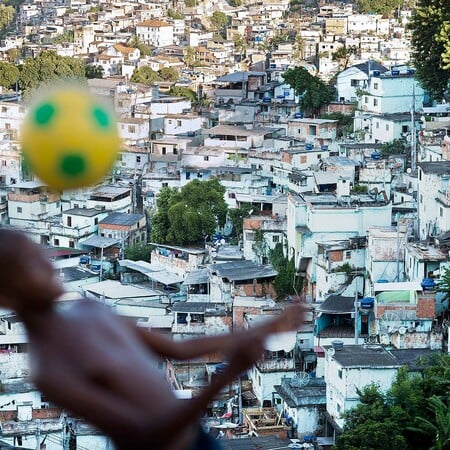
<point>440,429</point>
<point>235,3</point>
<point>6,16</point>
<point>66,36</point>
<point>240,46</point>
<point>443,285</point>
<point>343,54</point>
<point>286,282</point>
<point>138,252</point>
<point>144,49</point>
<point>395,147</point>
<point>94,71</point>
<point>431,45</point>
<point>187,216</point>
<point>13,54</point>
<point>175,14</point>
<point>9,74</point>
<point>219,20</point>
<point>313,92</point>
<point>385,7</point>
<point>345,122</point>
<point>168,74</point>
<point>181,91</point>
<point>237,216</point>
<point>144,75</point>
<point>48,66</point>
<point>189,56</point>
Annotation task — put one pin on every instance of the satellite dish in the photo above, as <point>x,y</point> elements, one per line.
<point>402,330</point>
<point>408,170</point>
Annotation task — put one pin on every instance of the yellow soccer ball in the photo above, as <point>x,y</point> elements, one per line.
<point>69,138</point>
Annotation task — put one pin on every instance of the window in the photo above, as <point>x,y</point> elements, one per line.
<point>405,128</point>
<point>206,158</point>
<point>96,221</point>
<point>175,151</point>
<point>340,373</point>
<point>421,198</point>
<point>165,185</point>
<point>56,242</point>
<point>375,85</point>
<point>69,221</point>
<point>19,209</point>
<point>354,82</point>
<point>338,407</point>
<point>312,130</point>
<point>348,254</point>
<point>275,239</point>
<point>71,244</point>
<point>131,129</point>
<point>377,125</point>
<point>163,150</point>
<point>375,102</point>
<point>441,212</point>
<point>366,99</point>
<point>179,123</point>
<point>138,159</point>
<point>387,127</point>
<point>3,162</point>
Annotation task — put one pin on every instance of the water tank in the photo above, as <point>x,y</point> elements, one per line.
<point>84,259</point>
<point>428,284</point>
<point>367,302</point>
<point>266,100</point>
<point>382,280</point>
<point>95,268</point>
<point>376,73</point>
<point>309,147</point>
<point>411,71</point>
<point>375,156</point>
<point>273,66</point>
<point>395,72</point>
<point>324,148</point>
<point>337,345</point>
<point>298,115</point>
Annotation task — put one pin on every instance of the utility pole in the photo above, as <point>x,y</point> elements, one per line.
<point>413,132</point>
<point>38,434</point>
<point>356,314</point>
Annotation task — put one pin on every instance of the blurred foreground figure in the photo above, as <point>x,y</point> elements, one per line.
<point>101,367</point>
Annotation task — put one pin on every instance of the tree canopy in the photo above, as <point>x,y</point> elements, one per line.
<point>313,92</point>
<point>384,7</point>
<point>430,27</point>
<point>144,75</point>
<point>188,215</point>
<point>9,74</point>
<point>168,74</point>
<point>413,415</point>
<point>6,15</point>
<point>181,91</point>
<point>48,66</point>
<point>219,20</point>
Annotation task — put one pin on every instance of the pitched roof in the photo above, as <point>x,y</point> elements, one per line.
<point>123,48</point>
<point>153,24</point>
<point>119,218</point>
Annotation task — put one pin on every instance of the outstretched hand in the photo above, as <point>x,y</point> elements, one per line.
<point>27,276</point>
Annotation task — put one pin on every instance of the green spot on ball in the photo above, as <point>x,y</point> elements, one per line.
<point>101,117</point>
<point>44,114</point>
<point>73,165</point>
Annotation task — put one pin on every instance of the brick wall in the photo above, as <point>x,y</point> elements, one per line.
<point>336,255</point>
<point>426,306</point>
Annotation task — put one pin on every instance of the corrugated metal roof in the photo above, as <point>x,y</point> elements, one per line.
<point>100,242</point>
<point>200,276</point>
<point>242,270</point>
<point>118,218</point>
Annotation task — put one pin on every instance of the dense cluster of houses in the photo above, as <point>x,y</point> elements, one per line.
<point>368,230</point>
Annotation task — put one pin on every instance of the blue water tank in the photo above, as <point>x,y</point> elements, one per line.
<point>367,302</point>
<point>395,72</point>
<point>298,115</point>
<point>376,73</point>
<point>428,284</point>
<point>84,259</point>
<point>266,100</point>
<point>411,71</point>
<point>324,147</point>
<point>273,66</point>
<point>375,156</point>
<point>309,147</point>
<point>382,280</point>
<point>95,267</point>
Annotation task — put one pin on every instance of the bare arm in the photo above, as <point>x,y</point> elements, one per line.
<point>289,319</point>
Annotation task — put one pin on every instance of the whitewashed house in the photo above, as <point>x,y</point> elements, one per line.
<point>155,32</point>
<point>433,198</point>
<point>351,368</point>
